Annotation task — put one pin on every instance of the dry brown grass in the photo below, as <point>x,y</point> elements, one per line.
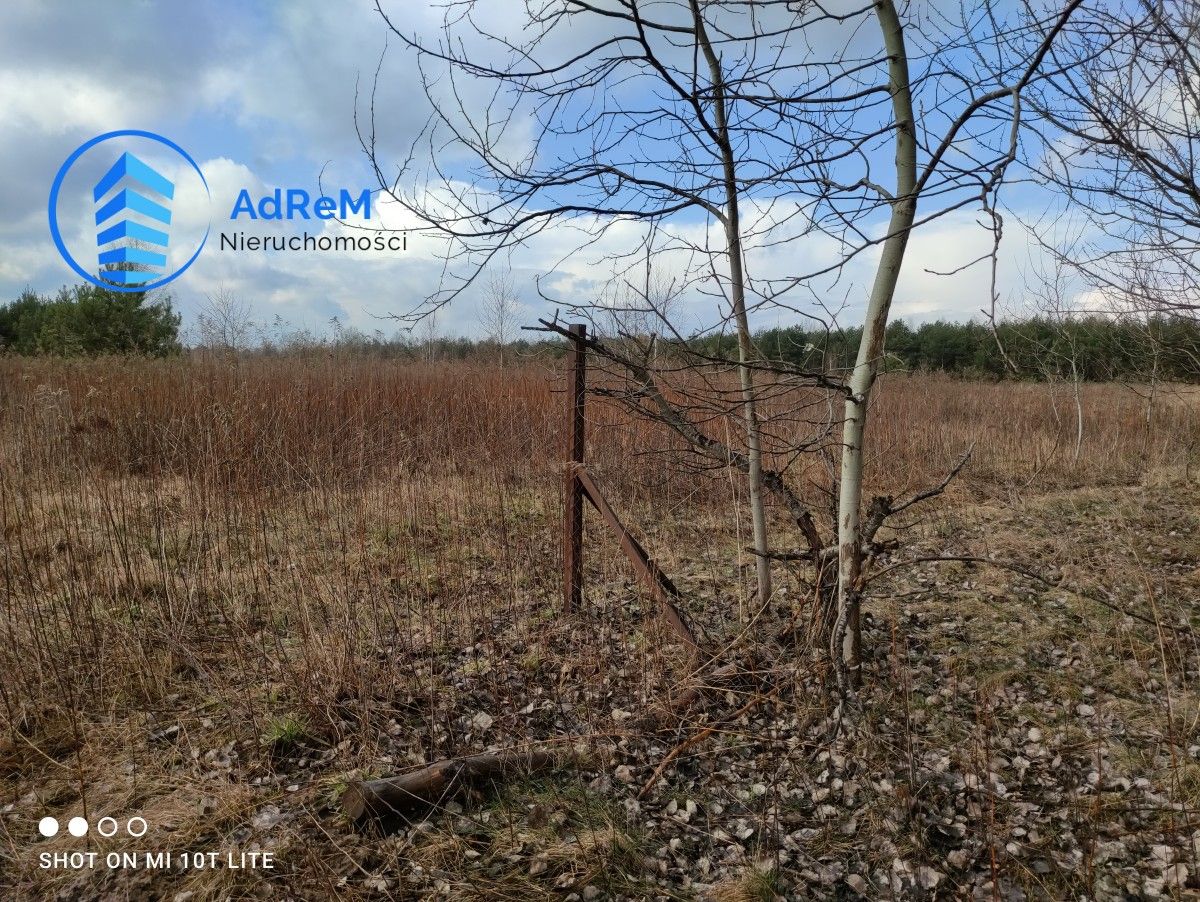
<point>271,423</point>
<point>279,556</point>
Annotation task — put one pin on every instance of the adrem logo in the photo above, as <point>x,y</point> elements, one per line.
<point>125,214</point>
<point>138,204</point>
<point>134,248</point>
<point>294,204</point>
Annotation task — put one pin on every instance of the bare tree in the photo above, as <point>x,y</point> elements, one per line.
<point>644,306</point>
<point>1058,356</point>
<point>715,133</point>
<point>499,310</point>
<point>1119,135</point>
<point>1163,334</point>
<point>430,334</point>
<point>224,322</point>
<point>1119,130</point>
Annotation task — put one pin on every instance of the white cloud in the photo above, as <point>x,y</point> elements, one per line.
<point>282,80</point>
<point>58,102</point>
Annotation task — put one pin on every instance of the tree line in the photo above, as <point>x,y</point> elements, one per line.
<point>1090,348</point>
<point>87,320</point>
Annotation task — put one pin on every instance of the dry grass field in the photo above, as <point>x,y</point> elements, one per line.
<point>228,588</point>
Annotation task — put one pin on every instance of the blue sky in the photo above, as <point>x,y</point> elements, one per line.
<point>263,95</point>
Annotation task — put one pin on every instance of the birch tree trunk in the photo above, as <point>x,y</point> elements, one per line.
<point>847,634</point>
<point>758,515</point>
<point>1078,410</point>
<point>737,292</point>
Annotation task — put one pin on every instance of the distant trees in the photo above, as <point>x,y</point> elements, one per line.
<point>1104,348</point>
<point>89,320</point>
<point>499,310</point>
<point>224,323</point>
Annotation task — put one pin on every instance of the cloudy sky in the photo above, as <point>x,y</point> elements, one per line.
<point>264,95</point>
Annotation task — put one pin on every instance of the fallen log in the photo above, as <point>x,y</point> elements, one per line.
<point>415,795</point>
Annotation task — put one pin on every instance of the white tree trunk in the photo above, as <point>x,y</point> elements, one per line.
<point>758,514</point>
<point>847,633</point>
<point>1078,411</point>
<point>737,292</point>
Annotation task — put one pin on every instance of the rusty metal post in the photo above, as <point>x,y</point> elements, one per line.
<point>573,522</point>
<point>658,582</point>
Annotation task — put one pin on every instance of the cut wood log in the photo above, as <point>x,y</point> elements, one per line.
<point>415,795</point>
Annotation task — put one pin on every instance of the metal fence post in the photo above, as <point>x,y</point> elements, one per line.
<point>573,523</point>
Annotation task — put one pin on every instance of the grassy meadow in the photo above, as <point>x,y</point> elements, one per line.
<point>230,586</point>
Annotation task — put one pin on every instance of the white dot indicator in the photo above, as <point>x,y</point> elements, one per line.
<point>141,821</point>
<point>77,826</point>
<point>107,826</point>
<point>48,826</point>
